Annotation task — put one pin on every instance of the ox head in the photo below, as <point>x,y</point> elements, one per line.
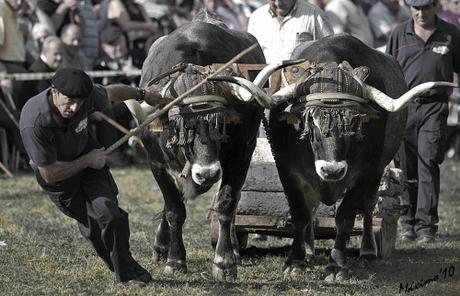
<point>198,125</point>
<point>330,104</point>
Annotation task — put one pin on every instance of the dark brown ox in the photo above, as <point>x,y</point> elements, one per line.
<point>332,133</point>
<point>210,137</point>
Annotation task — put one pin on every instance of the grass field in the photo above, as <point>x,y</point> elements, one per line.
<point>42,252</point>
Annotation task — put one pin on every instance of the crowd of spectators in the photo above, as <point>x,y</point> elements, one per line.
<point>45,35</point>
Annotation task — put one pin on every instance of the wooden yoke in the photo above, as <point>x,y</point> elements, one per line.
<point>250,71</point>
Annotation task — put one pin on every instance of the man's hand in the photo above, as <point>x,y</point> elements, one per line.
<point>71,4</point>
<point>6,86</point>
<point>153,98</point>
<point>97,158</point>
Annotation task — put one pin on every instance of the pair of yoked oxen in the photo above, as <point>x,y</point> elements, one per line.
<point>332,133</point>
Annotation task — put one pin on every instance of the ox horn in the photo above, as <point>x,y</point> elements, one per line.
<point>140,111</point>
<point>393,105</point>
<point>246,90</point>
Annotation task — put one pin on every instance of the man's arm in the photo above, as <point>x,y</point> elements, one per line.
<point>121,92</point>
<point>61,170</point>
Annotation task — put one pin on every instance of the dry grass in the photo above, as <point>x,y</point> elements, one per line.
<point>45,255</point>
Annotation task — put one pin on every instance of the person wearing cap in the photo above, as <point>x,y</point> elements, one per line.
<point>71,168</point>
<point>428,49</point>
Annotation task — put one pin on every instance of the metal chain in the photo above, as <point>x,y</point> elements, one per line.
<point>268,133</point>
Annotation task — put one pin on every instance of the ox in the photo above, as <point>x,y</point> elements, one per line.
<point>332,136</point>
<point>207,138</point>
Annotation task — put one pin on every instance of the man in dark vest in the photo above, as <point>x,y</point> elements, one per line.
<point>70,165</point>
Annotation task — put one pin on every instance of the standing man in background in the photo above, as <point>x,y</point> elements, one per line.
<point>281,25</point>
<point>428,49</point>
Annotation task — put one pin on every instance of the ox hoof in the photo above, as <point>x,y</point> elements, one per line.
<point>294,271</point>
<point>335,273</point>
<point>369,256</point>
<point>224,274</point>
<point>174,267</point>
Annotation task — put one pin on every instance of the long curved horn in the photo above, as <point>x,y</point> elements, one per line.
<point>246,91</point>
<point>393,105</point>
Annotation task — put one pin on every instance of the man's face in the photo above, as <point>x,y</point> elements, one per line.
<point>281,7</point>
<point>72,38</point>
<point>66,106</point>
<point>117,49</point>
<point>424,16</point>
<point>53,55</point>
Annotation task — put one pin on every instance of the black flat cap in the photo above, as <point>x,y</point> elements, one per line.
<point>419,3</point>
<point>110,34</point>
<point>72,83</point>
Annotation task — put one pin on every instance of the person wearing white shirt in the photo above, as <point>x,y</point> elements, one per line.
<point>347,16</point>
<point>281,25</point>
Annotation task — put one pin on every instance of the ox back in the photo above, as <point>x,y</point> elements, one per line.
<point>366,159</point>
<point>201,43</point>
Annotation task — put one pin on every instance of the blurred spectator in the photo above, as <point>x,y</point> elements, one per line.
<point>90,33</point>
<point>39,33</point>
<point>319,3</point>
<point>384,16</point>
<point>12,51</point>
<point>49,61</point>
<point>281,25</point>
<point>347,16</point>
<point>226,10</point>
<point>134,21</point>
<point>448,12</point>
<point>72,55</point>
<point>62,12</point>
<point>114,46</point>
<point>185,10</point>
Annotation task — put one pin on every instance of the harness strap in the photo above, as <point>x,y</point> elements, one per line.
<point>174,69</point>
<point>333,98</point>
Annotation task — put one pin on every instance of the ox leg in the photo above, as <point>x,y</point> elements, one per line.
<point>170,228</point>
<point>310,240</point>
<point>368,244</point>
<point>161,242</point>
<point>344,220</point>
<point>175,216</point>
<point>225,262</point>
<point>303,237</point>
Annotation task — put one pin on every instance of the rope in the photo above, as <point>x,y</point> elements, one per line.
<point>49,75</point>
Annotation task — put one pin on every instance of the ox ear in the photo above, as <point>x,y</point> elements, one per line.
<point>290,114</point>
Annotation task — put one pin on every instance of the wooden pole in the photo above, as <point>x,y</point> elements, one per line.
<point>158,113</point>
<point>118,126</point>
<point>7,171</point>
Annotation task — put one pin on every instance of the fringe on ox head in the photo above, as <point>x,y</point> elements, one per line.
<point>184,121</point>
<point>184,129</point>
<point>328,122</point>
